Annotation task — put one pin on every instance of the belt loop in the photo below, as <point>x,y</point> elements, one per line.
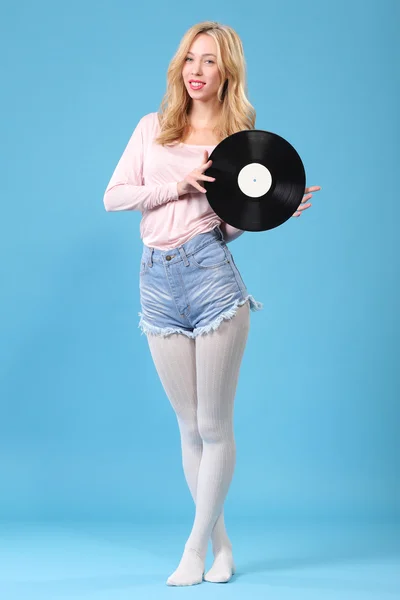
<point>151,257</point>
<point>184,257</point>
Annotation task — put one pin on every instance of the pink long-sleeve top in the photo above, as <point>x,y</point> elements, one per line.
<point>146,179</point>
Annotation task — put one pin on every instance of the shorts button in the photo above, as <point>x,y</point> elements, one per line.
<point>168,257</point>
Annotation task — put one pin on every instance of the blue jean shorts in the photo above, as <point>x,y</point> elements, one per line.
<point>190,289</point>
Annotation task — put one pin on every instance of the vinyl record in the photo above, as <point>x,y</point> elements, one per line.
<point>259,180</point>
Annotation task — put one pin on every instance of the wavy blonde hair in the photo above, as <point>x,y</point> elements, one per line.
<point>236,111</point>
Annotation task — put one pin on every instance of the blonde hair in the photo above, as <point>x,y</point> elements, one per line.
<point>236,111</point>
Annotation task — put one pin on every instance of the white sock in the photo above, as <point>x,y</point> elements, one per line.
<point>222,569</point>
<point>200,379</point>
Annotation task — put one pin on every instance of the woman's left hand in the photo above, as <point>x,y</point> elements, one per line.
<point>306,197</point>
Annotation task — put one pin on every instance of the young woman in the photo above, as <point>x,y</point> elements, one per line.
<point>195,305</point>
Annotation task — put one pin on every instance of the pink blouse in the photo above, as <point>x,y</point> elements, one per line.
<point>146,179</point>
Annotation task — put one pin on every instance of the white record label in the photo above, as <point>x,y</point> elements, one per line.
<point>254,180</point>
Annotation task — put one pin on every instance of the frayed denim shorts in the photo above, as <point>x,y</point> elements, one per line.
<point>190,289</point>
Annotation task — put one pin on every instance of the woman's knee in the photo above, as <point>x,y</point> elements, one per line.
<point>189,429</point>
<point>213,432</point>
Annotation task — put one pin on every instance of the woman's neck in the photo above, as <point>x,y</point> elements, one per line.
<point>203,120</point>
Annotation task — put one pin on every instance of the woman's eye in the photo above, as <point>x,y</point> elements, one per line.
<point>209,60</point>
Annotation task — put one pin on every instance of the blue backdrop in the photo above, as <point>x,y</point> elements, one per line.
<point>86,431</point>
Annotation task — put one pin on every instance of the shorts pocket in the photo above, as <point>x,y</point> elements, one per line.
<point>212,256</point>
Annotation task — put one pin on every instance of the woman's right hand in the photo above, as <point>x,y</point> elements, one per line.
<point>189,184</point>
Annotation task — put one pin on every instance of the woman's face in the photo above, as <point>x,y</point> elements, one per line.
<point>201,65</point>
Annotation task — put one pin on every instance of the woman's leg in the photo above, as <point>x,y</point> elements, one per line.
<point>218,359</point>
<point>175,360</point>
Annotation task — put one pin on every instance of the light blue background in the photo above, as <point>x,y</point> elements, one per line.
<point>86,431</point>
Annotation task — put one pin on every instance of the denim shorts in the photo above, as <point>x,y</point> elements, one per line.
<point>190,289</point>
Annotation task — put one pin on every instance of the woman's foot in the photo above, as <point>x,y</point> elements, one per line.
<point>223,567</point>
<point>190,570</point>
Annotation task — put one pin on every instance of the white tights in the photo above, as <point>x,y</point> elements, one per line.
<point>200,377</point>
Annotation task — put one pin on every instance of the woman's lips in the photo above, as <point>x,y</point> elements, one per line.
<point>196,87</point>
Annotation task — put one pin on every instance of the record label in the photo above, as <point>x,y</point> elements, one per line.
<point>254,180</point>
